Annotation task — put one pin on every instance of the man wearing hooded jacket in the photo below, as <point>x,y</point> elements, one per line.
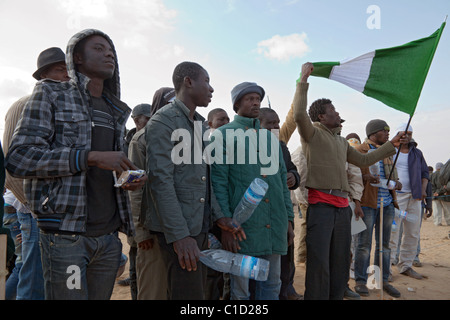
<point>66,147</point>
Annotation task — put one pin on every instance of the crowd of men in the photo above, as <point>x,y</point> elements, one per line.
<point>64,141</point>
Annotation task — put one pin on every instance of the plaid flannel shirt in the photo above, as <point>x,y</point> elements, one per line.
<point>50,147</point>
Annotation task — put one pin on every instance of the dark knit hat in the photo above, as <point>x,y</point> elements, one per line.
<point>162,97</point>
<point>141,109</point>
<point>244,88</point>
<point>47,58</point>
<point>376,125</point>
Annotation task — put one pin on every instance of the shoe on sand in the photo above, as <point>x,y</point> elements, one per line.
<point>350,295</point>
<point>390,290</point>
<point>362,290</point>
<point>411,273</point>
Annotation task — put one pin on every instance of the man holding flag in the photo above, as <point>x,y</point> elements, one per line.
<point>394,76</point>
<point>329,215</point>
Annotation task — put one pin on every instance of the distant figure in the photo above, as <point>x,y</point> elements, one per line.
<point>441,205</point>
<point>413,174</point>
<point>51,66</point>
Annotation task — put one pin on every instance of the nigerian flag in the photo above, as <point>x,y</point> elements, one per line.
<point>394,76</point>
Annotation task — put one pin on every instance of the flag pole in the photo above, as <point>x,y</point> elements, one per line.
<point>396,157</point>
<point>380,249</point>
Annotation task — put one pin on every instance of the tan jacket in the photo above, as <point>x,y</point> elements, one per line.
<point>11,119</point>
<point>370,195</point>
<point>137,154</point>
<point>327,153</point>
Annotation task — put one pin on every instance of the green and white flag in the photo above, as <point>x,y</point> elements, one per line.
<point>394,76</point>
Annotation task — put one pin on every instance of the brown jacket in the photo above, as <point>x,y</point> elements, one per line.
<point>327,153</point>
<point>370,194</point>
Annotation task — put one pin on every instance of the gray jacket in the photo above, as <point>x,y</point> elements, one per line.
<point>176,193</point>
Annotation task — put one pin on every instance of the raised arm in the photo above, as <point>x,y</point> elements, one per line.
<point>301,117</point>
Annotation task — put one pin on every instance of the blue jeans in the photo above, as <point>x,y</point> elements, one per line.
<point>11,222</point>
<point>78,267</point>
<point>362,253</point>
<point>264,290</point>
<point>31,280</point>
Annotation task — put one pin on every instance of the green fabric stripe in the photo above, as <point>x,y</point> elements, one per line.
<point>323,69</point>
<point>398,74</point>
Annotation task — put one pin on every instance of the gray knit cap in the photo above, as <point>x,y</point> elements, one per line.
<point>141,109</point>
<point>373,126</point>
<point>244,88</point>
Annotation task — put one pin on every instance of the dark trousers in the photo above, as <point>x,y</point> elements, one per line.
<point>328,240</point>
<point>132,272</point>
<point>183,284</point>
<point>287,274</point>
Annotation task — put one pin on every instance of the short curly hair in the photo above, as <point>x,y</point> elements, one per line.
<point>318,107</point>
<point>185,69</point>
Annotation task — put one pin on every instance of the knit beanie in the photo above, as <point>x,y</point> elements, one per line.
<point>244,88</point>
<point>376,125</point>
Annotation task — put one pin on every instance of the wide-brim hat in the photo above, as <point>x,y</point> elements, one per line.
<point>245,88</point>
<point>47,58</point>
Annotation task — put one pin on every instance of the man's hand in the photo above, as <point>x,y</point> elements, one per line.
<point>229,242</point>
<point>307,69</point>
<point>359,213</point>
<point>290,179</point>
<point>400,138</point>
<point>398,185</point>
<point>116,161</point>
<point>227,225</point>
<point>291,234</point>
<point>370,178</point>
<point>110,160</point>
<point>188,253</point>
<point>135,185</point>
<point>428,212</point>
<point>146,244</point>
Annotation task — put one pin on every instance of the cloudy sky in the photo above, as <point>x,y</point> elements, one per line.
<point>263,41</point>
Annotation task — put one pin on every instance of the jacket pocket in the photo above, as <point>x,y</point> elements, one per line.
<point>70,128</point>
<point>46,202</point>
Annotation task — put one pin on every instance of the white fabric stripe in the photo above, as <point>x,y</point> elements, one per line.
<point>354,72</point>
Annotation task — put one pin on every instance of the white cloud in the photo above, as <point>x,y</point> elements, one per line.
<point>132,15</point>
<point>231,5</point>
<point>284,48</point>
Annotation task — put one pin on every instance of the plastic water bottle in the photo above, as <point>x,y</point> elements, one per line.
<point>403,214</point>
<point>252,197</point>
<point>375,168</point>
<point>213,242</point>
<point>236,263</point>
<point>394,227</point>
<point>383,184</point>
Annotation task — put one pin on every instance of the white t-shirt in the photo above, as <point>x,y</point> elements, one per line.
<point>403,172</point>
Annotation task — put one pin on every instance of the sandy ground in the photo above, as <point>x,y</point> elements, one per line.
<point>435,258</point>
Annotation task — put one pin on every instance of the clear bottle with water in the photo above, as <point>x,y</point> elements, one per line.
<point>394,227</point>
<point>384,184</point>
<point>252,197</point>
<point>403,214</point>
<point>213,242</point>
<point>375,168</point>
<point>236,264</point>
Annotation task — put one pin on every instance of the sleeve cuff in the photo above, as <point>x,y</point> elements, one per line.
<point>78,160</point>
